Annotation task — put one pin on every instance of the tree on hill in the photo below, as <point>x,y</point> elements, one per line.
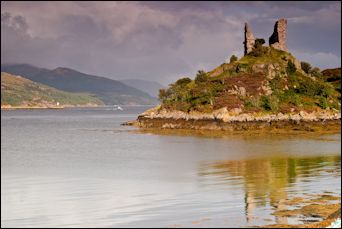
<point>233,58</point>
<point>306,67</point>
<point>258,49</point>
<point>183,81</point>
<point>201,77</point>
<point>316,72</point>
<point>259,42</point>
<point>291,68</point>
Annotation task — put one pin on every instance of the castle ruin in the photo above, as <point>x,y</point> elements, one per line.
<point>277,40</point>
<point>249,39</point>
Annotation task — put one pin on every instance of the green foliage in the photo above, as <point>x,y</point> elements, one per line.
<point>269,103</point>
<point>316,72</point>
<point>290,97</point>
<point>313,88</point>
<point>201,77</point>
<point>306,67</point>
<point>183,81</point>
<point>259,42</point>
<point>241,68</point>
<point>233,58</point>
<point>291,68</point>
<point>252,102</point>
<point>259,51</point>
<point>323,103</point>
<point>163,94</point>
<point>277,83</point>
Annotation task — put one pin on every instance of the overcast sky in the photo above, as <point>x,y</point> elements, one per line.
<point>160,41</point>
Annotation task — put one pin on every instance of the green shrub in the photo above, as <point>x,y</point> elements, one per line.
<point>241,68</point>
<point>316,72</point>
<point>323,103</point>
<point>252,102</point>
<point>270,103</point>
<point>201,77</point>
<point>290,97</point>
<point>313,88</point>
<point>306,67</point>
<point>164,94</point>
<point>233,58</point>
<point>183,81</point>
<point>259,51</point>
<point>259,42</point>
<point>291,68</point>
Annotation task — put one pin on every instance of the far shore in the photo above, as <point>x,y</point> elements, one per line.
<point>8,107</point>
<point>38,107</point>
<point>27,107</point>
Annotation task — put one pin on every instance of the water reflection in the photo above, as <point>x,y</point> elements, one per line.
<point>272,180</point>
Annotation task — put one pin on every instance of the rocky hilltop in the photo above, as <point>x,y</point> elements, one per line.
<point>266,88</point>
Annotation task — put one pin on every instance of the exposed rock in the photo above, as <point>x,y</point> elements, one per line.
<point>237,91</point>
<point>235,111</point>
<point>236,115</point>
<point>278,38</point>
<point>242,91</point>
<point>271,71</point>
<point>267,89</point>
<point>258,68</point>
<point>249,39</point>
<point>130,123</point>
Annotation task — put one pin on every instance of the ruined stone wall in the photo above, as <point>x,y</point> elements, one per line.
<point>278,38</point>
<point>249,39</point>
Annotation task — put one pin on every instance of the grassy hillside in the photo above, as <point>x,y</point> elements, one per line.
<point>18,91</point>
<point>266,80</point>
<point>107,90</point>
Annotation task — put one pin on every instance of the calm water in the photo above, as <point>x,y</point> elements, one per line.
<point>80,168</point>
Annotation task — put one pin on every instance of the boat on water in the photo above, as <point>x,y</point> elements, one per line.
<point>117,107</point>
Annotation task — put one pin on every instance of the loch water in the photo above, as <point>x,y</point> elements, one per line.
<point>78,167</point>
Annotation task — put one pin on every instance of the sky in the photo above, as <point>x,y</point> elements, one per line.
<point>160,41</point>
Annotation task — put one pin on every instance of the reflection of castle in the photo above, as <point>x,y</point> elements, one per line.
<point>267,180</point>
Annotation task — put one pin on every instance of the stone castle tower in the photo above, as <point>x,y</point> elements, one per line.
<point>277,39</point>
<point>249,39</point>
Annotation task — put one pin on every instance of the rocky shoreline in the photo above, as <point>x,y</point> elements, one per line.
<point>235,120</point>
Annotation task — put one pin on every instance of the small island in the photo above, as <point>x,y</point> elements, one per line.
<point>267,89</point>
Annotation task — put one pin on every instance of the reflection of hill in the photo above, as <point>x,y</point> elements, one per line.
<point>267,180</point>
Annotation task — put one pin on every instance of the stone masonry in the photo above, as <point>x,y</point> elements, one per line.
<point>278,38</point>
<point>249,39</point>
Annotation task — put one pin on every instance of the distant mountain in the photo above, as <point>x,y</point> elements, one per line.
<point>107,90</point>
<point>17,91</point>
<point>150,87</point>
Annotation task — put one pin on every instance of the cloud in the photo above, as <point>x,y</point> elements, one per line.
<point>157,40</point>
